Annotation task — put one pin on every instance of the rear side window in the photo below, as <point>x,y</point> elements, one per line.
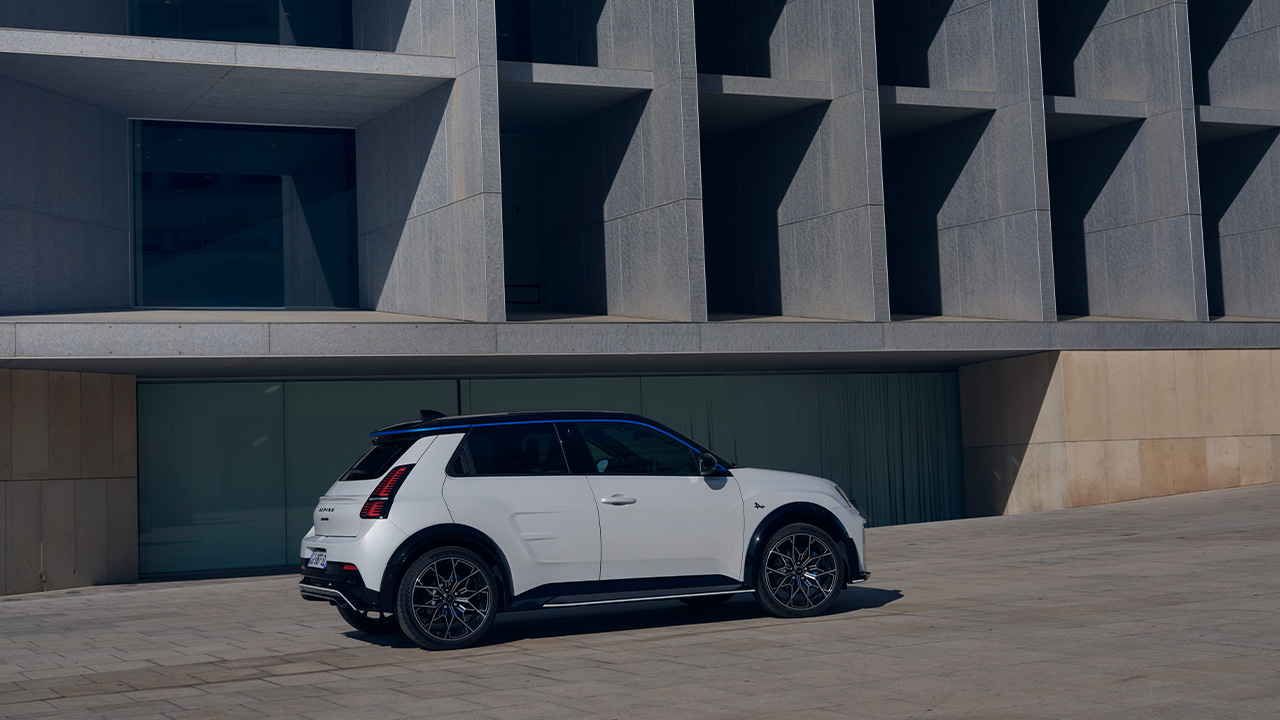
<point>376,461</point>
<point>524,449</point>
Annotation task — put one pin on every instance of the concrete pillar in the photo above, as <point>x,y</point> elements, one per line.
<point>1070,429</point>
<point>794,214</point>
<point>429,190</point>
<point>68,480</point>
<point>1235,55</point>
<point>966,187</point>
<point>1128,240</point>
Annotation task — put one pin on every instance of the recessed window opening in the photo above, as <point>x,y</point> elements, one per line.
<point>562,201</point>
<point>243,216</point>
<point>1080,190</point>
<point>1064,30</point>
<point>741,38</point>
<point>747,176</point>
<point>564,32</point>
<point>310,23</point>
<point>922,178</point>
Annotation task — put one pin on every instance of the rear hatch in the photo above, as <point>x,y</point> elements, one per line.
<point>338,512</point>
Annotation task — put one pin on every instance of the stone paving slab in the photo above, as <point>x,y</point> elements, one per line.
<point>1164,608</point>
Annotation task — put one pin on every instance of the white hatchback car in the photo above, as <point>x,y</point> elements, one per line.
<point>447,521</point>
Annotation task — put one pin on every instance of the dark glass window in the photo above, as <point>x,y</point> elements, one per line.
<point>310,23</point>
<point>531,449</point>
<point>377,460</point>
<point>607,448</point>
<point>244,216</point>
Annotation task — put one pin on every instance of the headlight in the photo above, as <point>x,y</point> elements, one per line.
<point>847,501</point>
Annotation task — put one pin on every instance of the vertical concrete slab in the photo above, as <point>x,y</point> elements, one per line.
<point>62,247</point>
<point>431,160</point>
<point>91,531</point>
<point>1126,196</point>
<point>30,430</point>
<point>22,536</point>
<point>6,424</point>
<point>58,533</point>
<point>64,425</point>
<point>96,428</point>
<point>124,426</point>
<point>122,530</point>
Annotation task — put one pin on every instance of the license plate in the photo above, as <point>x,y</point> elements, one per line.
<point>319,559</point>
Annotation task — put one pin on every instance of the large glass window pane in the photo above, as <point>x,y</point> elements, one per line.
<point>244,216</point>
<point>311,23</point>
<point>211,477</point>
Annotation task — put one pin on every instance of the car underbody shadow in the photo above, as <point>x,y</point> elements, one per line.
<point>564,622</point>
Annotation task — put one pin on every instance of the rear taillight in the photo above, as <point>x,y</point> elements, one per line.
<point>379,502</point>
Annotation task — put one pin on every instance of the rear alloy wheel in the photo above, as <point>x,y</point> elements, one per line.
<point>446,599</point>
<point>799,574</point>
<point>372,622</point>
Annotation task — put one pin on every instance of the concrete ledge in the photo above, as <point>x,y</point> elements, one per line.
<point>1215,124</point>
<point>538,96</point>
<point>1066,117</point>
<point>221,82</point>
<point>277,345</point>
<point>728,103</point>
<point>907,110</point>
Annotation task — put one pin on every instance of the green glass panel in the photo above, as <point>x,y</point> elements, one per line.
<point>327,426</point>
<point>211,476</point>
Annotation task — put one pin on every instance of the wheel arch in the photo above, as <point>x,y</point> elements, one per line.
<point>437,536</point>
<point>798,512</point>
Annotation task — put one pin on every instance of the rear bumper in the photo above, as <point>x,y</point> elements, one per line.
<point>338,587</point>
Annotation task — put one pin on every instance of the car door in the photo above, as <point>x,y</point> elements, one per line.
<point>511,482</point>
<point>658,516</point>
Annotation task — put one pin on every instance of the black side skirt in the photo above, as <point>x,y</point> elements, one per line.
<point>612,591</point>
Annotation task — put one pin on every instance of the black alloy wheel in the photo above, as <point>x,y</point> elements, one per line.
<point>800,574</point>
<point>447,599</point>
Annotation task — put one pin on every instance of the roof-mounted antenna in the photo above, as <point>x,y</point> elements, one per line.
<point>428,415</point>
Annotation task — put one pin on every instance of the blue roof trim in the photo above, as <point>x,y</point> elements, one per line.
<point>535,422</point>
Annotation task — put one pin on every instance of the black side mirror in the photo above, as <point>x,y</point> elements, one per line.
<point>707,464</point>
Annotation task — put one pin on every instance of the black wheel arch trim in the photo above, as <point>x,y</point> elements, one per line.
<point>794,512</point>
<point>443,535</point>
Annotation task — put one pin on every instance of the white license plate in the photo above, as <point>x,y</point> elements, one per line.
<point>319,559</point>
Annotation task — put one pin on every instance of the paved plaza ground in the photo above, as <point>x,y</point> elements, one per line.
<point>1166,608</point>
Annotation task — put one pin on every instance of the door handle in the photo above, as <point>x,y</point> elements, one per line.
<point>617,499</point>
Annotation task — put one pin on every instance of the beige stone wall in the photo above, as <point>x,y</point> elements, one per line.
<point>1070,429</point>
<point>68,480</point>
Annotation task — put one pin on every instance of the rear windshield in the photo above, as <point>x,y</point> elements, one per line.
<point>376,461</point>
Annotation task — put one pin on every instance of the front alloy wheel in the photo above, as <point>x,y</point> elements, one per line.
<point>799,574</point>
<point>447,599</point>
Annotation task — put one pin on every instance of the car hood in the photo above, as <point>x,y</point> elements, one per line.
<point>762,477</point>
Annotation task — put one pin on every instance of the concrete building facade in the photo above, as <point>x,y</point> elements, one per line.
<point>1042,235</point>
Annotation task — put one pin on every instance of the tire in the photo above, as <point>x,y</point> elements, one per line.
<point>447,599</point>
<point>705,601</point>
<point>799,574</point>
<point>373,622</point>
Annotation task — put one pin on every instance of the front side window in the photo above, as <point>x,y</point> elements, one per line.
<point>521,449</point>
<point>614,448</point>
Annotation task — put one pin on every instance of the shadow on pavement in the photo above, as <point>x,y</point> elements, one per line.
<point>510,627</point>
